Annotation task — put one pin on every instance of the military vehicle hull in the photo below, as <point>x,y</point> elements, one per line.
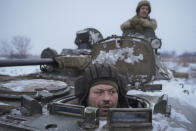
<point>49,107</point>
<point>18,121</point>
<point>44,108</point>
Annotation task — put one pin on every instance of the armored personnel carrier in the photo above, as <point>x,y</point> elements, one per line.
<point>47,107</point>
<point>135,56</point>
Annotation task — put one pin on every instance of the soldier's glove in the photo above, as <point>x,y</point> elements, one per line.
<point>139,28</point>
<point>149,23</point>
<point>135,22</point>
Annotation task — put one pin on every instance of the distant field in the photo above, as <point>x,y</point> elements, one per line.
<point>181,64</point>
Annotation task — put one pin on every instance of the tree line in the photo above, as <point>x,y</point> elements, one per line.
<point>18,47</point>
<point>186,56</point>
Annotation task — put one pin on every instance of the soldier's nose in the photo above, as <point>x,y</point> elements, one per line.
<point>106,96</point>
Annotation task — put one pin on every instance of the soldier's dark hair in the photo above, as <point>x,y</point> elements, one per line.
<point>97,72</point>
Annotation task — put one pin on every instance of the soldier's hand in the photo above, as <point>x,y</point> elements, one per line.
<point>135,21</point>
<point>145,22</point>
<point>149,23</point>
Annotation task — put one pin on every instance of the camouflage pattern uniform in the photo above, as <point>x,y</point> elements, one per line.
<point>137,24</point>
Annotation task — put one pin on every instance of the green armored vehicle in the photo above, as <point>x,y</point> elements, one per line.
<point>135,56</point>
<point>51,106</point>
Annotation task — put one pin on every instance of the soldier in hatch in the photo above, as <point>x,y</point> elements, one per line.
<point>141,23</point>
<point>103,87</point>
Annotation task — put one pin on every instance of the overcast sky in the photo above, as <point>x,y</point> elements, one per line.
<point>53,23</point>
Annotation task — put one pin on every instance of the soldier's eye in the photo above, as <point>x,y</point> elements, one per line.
<point>99,92</point>
<point>112,92</point>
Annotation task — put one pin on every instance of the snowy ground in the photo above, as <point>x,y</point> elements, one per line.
<point>181,93</point>
<point>182,96</point>
<point>20,70</point>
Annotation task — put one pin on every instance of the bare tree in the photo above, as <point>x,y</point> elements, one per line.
<point>21,45</point>
<point>5,48</point>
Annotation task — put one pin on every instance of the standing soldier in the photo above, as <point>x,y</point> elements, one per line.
<point>141,23</point>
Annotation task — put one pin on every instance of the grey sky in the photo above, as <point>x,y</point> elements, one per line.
<point>53,23</point>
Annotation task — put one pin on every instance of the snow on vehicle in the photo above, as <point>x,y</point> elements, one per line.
<point>46,106</point>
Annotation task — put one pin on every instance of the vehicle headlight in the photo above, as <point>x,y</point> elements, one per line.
<point>156,43</point>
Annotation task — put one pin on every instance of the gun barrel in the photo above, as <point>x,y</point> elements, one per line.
<point>26,62</point>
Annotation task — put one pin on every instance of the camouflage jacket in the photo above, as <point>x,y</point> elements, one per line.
<point>139,25</point>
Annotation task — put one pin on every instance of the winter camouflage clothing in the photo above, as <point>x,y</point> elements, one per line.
<point>145,26</point>
<point>139,24</point>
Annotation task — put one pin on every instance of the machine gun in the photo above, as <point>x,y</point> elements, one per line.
<point>26,62</point>
<point>50,61</point>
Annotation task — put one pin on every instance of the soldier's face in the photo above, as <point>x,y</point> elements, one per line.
<point>104,97</point>
<point>144,10</point>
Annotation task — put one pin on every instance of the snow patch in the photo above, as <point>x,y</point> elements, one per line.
<point>94,37</point>
<point>179,117</point>
<point>113,56</point>
<point>1,103</point>
<point>102,123</point>
<point>183,90</point>
<point>19,70</point>
<point>138,40</point>
<point>176,121</point>
<point>117,44</point>
<point>162,123</point>
<point>31,85</point>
